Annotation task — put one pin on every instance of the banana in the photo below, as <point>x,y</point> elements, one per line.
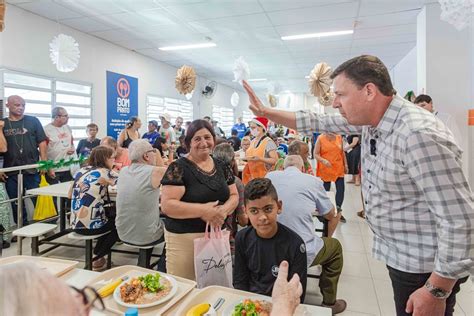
<point>199,309</point>
<point>108,289</point>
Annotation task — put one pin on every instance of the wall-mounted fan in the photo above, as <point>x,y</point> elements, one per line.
<point>209,90</point>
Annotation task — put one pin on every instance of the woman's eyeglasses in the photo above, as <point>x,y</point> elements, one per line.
<point>90,298</point>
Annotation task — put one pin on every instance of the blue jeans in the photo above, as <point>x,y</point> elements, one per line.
<point>30,181</point>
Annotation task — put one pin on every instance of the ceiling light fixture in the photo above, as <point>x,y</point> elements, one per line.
<point>202,45</point>
<point>257,79</point>
<point>314,35</point>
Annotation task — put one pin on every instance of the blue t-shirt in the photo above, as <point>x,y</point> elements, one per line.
<point>241,129</point>
<point>283,148</point>
<point>151,136</point>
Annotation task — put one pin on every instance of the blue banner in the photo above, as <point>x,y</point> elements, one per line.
<point>122,101</point>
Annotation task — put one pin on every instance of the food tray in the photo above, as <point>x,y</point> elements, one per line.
<point>211,294</point>
<point>54,266</point>
<point>184,287</point>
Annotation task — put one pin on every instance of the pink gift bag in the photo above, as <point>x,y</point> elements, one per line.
<point>212,258</point>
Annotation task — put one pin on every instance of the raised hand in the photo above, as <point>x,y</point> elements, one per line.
<point>256,106</point>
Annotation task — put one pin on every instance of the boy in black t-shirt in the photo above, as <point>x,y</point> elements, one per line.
<point>260,249</point>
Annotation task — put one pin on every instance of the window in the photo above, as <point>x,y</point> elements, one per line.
<point>156,106</point>
<point>225,117</point>
<point>42,94</point>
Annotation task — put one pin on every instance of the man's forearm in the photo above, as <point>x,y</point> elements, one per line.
<point>3,142</point>
<point>43,149</point>
<point>285,118</point>
<point>441,282</point>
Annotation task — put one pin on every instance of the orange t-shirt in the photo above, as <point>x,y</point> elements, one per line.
<point>331,151</point>
<point>122,161</point>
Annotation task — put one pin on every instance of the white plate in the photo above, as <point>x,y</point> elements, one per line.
<point>174,290</point>
<point>230,308</point>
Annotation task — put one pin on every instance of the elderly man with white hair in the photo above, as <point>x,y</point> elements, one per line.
<point>138,212</point>
<point>302,194</point>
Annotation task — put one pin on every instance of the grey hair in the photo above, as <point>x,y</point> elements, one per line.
<point>224,152</point>
<point>26,281</point>
<point>56,110</point>
<point>295,147</point>
<point>137,149</point>
<point>293,161</point>
<point>109,141</point>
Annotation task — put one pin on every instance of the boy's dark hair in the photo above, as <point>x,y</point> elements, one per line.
<point>258,188</point>
<point>234,132</point>
<point>92,125</point>
<point>423,98</point>
<point>366,69</point>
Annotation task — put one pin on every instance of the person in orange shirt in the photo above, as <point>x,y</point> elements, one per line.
<point>332,165</point>
<point>121,154</point>
<point>261,155</point>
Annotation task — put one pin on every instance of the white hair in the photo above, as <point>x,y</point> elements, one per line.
<point>25,289</point>
<point>293,161</point>
<point>137,149</point>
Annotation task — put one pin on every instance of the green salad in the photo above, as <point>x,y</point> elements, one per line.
<point>252,308</point>
<point>151,282</point>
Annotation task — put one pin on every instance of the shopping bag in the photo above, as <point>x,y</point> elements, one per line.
<point>212,258</point>
<point>44,204</point>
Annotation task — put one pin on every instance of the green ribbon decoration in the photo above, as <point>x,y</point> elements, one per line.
<point>46,165</point>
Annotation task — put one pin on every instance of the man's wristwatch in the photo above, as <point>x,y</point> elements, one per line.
<point>436,291</point>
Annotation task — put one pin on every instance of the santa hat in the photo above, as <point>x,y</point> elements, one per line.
<point>260,121</point>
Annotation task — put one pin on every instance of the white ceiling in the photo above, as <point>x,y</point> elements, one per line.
<point>248,28</point>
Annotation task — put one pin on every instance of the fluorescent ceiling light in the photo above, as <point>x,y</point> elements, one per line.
<point>306,77</point>
<point>191,46</point>
<point>313,35</point>
<point>257,79</point>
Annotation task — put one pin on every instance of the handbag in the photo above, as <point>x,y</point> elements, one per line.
<point>110,208</point>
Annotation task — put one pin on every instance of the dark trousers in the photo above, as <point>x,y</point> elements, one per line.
<point>404,284</point>
<point>30,181</point>
<point>340,187</point>
<point>104,243</point>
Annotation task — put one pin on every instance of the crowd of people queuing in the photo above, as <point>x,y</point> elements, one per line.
<point>260,184</point>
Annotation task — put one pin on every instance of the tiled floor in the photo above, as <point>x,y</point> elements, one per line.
<point>364,282</point>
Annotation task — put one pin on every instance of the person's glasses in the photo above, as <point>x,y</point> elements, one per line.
<point>65,115</point>
<point>373,148</point>
<point>151,151</point>
<point>90,298</point>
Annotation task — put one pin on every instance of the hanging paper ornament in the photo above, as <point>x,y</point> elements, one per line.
<point>189,95</point>
<point>456,12</point>
<point>64,53</point>
<point>185,80</point>
<point>234,99</point>
<point>319,79</point>
<point>272,100</point>
<point>241,70</point>
<point>327,98</point>
<point>2,15</point>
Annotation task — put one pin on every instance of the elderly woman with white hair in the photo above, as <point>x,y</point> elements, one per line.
<point>26,289</point>
<point>138,212</point>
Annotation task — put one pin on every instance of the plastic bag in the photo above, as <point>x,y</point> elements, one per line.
<point>44,204</point>
<point>212,258</point>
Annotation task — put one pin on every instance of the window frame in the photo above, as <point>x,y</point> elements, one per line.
<point>54,92</point>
